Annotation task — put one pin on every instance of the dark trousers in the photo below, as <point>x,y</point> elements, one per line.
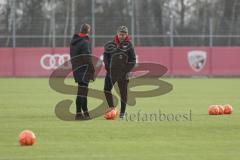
<point>81,100</point>
<point>122,85</point>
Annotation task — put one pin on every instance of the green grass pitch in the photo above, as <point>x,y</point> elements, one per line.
<point>28,103</point>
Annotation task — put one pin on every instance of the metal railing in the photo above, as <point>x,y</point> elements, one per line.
<point>171,34</point>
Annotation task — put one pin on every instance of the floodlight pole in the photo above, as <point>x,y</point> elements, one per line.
<point>14,24</point>
<point>93,23</point>
<point>73,3</point>
<point>210,32</point>
<point>171,31</point>
<point>132,21</point>
<point>53,24</point>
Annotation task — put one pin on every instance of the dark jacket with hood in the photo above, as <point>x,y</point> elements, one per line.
<point>80,52</point>
<point>120,59</point>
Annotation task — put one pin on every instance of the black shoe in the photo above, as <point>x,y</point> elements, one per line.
<point>79,116</point>
<point>86,116</point>
<point>122,115</point>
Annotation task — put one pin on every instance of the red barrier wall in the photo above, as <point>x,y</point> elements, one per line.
<point>27,61</point>
<point>226,61</point>
<point>180,61</point>
<point>6,62</point>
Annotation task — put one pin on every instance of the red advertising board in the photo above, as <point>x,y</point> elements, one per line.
<point>27,61</point>
<point>180,61</point>
<point>188,61</point>
<point>226,61</point>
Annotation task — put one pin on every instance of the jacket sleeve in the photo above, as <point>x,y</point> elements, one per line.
<point>131,60</point>
<point>132,56</point>
<point>106,60</point>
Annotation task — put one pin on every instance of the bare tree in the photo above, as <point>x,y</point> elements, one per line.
<point>182,13</point>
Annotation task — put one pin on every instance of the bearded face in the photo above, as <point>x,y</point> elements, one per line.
<point>122,36</point>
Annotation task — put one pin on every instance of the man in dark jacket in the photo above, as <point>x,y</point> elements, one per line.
<point>119,60</point>
<point>83,69</point>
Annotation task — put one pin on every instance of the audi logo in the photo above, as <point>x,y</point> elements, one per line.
<point>53,61</point>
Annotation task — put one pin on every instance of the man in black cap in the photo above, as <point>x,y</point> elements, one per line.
<point>119,60</point>
<point>83,69</point>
